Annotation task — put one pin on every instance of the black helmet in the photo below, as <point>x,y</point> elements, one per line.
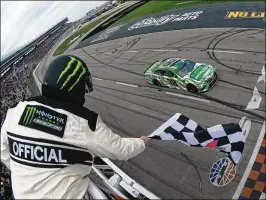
<point>67,78</point>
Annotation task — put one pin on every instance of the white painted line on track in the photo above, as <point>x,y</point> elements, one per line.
<point>188,97</point>
<point>250,163</point>
<point>255,101</point>
<point>220,51</point>
<point>262,196</point>
<point>126,84</point>
<point>97,78</point>
<point>245,126</point>
<point>131,51</point>
<point>164,50</point>
<point>262,77</point>
<point>107,53</point>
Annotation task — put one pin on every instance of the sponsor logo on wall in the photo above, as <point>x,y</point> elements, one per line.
<point>152,21</point>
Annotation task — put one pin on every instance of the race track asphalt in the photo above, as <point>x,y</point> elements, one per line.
<point>170,169</point>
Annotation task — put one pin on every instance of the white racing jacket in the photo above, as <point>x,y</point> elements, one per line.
<point>50,146</point>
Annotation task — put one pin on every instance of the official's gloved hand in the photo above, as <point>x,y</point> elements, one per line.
<point>145,139</point>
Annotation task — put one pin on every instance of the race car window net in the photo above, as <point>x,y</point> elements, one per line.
<point>169,74</point>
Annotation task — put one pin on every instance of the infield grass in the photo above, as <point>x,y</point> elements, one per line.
<point>76,35</point>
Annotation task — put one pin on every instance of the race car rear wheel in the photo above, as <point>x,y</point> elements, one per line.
<point>192,88</point>
<point>156,82</point>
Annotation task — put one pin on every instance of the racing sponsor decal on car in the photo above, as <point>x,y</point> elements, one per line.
<point>152,21</point>
<point>44,119</point>
<point>245,15</point>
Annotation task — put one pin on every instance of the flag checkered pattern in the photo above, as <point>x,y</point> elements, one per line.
<point>227,138</point>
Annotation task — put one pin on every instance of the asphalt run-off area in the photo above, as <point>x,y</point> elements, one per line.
<point>230,37</point>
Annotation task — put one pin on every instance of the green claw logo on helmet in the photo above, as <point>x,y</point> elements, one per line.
<point>74,73</point>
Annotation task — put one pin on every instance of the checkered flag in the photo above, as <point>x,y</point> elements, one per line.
<point>227,138</point>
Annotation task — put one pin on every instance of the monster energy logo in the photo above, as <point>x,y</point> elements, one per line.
<point>29,115</point>
<point>31,111</point>
<point>78,67</point>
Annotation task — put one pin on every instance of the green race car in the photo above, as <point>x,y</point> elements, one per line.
<point>181,74</point>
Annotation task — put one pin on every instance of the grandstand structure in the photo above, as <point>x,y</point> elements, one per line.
<point>8,61</point>
<point>17,81</point>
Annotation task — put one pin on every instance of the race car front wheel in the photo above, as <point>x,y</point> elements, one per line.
<point>192,88</point>
<point>156,82</point>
